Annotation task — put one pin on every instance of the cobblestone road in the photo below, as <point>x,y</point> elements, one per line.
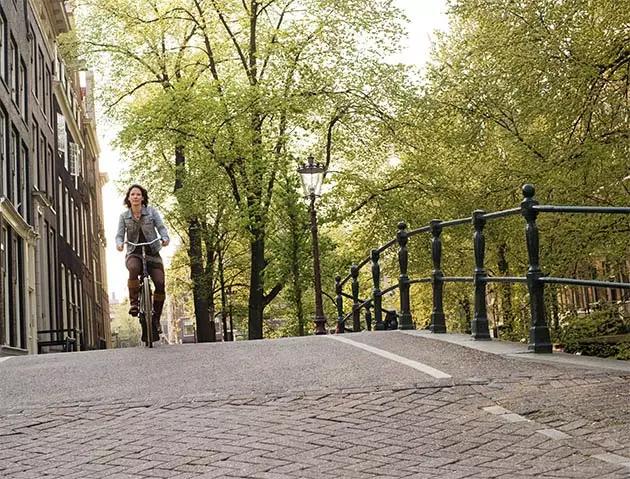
<point>530,420</point>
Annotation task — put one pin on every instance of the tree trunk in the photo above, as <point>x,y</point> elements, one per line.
<point>552,297</point>
<point>256,285</point>
<point>223,290</point>
<point>468,317</point>
<point>209,278</point>
<point>506,291</point>
<point>297,289</point>
<point>205,328</point>
<point>180,160</point>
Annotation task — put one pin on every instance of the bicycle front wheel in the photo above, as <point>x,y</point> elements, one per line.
<point>146,308</point>
<point>147,301</point>
<point>147,298</point>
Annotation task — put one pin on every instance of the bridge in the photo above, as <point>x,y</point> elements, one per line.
<point>535,279</point>
<point>381,404</point>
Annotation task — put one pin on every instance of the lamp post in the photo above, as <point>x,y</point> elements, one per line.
<point>312,175</point>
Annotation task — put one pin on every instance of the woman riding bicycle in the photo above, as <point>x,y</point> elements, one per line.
<point>140,223</point>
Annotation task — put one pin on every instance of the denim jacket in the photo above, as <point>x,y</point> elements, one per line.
<point>150,221</point>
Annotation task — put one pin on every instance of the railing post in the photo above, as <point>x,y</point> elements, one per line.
<point>368,317</point>
<point>379,325</point>
<point>479,325</point>
<point>539,340</point>
<point>356,313</point>
<point>438,325</point>
<point>338,290</point>
<point>403,280</point>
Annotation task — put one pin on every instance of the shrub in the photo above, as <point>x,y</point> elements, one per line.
<point>597,333</point>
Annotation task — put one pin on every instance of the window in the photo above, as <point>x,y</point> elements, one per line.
<point>84,233</point>
<point>70,298</point>
<point>95,281</point>
<point>91,210</point>
<point>3,72</point>
<point>45,262</point>
<point>12,180</point>
<point>13,70</point>
<point>43,169</point>
<point>60,206</point>
<point>62,139</point>
<point>33,59</point>
<point>13,288</point>
<point>70,218</point>
<point>41,162</point>
<point>18,291</point>
<point>47,90</point>
<point>5,265</point>
<point>23,206</point>
<point>4,169</point>
<point>74,159</point>
<point>77,228</point>
<point>73,104</point>
<point>22,89</point>
<point>39,74</point>
<point>58,66</point>
<point>72,278</point>
<point>50,174</point>
<point>36,154</point>
<point>89,335</point>
<point>80,306</point>
<point>64,298</point>
<point>52,282</point>
<point>66,213</point>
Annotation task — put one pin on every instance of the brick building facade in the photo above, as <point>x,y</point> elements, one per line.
<point>52,241</point>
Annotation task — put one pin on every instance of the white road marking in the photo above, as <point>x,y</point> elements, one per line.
<point>497,410</point>
<point>554,433</point>
<point>611,458</point>
<point>505,414</point>
<point>436,373</point>
<point>550,432</point>
<point>512,417</point>
<point>5,358</point>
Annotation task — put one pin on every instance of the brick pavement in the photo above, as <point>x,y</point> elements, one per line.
<point>562,426</point>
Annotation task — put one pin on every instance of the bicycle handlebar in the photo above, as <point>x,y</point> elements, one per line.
<point>143,244</point>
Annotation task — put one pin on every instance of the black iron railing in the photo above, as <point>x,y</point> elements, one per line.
<point>539,338</point>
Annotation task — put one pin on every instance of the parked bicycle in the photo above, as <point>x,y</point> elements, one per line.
<point>145,303</point>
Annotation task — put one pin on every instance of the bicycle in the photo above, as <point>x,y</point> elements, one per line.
<point>145,300</point>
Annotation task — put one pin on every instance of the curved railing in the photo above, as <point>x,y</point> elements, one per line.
<point>539,339</point>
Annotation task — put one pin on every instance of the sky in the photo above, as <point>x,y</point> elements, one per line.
<point>425,16</point>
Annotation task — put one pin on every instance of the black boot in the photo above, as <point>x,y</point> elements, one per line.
<point>143,326</point>
<point>134,291</point>
<point>158,305</point>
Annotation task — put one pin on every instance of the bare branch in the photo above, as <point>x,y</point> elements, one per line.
<point>232,36</point>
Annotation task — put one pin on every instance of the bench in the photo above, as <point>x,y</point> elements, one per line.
<point>68,342</point>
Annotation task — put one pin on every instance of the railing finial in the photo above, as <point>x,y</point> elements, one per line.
<point>528,191</point>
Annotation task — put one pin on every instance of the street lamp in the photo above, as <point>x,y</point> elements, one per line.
<point>312,175</point>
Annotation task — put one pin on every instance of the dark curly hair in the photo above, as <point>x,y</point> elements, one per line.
<point>145,196</point>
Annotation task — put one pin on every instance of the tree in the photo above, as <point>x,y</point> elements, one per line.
<point>241,88</point>
<point>291,251</point>
<point>538,93</point>
<point>518,92</point>
<point>146,59</point>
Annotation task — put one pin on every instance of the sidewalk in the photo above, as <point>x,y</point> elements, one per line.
<point>510,349</point>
